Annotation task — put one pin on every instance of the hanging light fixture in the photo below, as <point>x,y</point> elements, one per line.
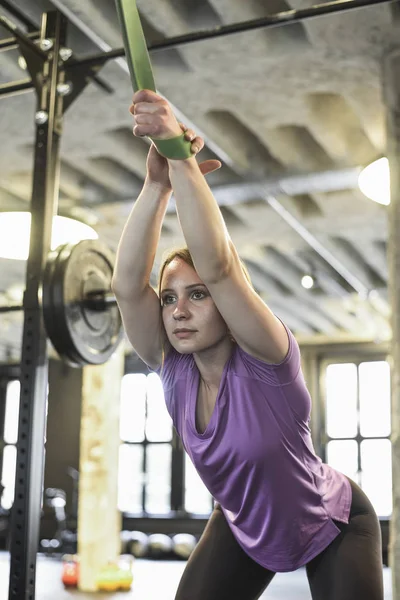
<point>374,181</point>
<point>307,282</point>
<point>15,230</point>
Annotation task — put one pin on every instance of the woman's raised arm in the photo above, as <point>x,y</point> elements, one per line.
<point>256,329</point>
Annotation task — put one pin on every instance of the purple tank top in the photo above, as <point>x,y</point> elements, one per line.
<point>256,456</point>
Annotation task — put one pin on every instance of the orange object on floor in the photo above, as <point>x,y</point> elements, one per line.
<point>70,571</point>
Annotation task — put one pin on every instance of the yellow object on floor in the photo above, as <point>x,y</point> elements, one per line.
<point>115,576</point>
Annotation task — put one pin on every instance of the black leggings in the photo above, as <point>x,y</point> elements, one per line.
<point>348,569</point>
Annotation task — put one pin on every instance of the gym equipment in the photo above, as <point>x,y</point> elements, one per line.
<point>160,545</point>
<point>125,542</point>
<point>116,576</point>
<point>65,540</point>
<point>268,22</point>
<point>70,571</point>
<point>141,72</point>
<point>183,544</point>
<point>82,330</point>
<point>139,544</point>
<point>50,547</point>
<point>113,577</point>
<point>81,316</point>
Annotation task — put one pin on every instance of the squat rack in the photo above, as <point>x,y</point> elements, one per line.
<point>58,78</point>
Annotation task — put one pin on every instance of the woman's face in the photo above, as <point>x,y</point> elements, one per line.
<point>191,319</point>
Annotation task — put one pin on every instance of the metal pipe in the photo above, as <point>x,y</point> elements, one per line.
<point>12,43</point>
<point>20,87</point>
<point>12,308</point>
<point>16,87</point>
<point>391,95</point>
<point>18,14</point>
<point>21,35</point>
<point>312,241</point>
<point>278,20</point>
<point>95,301</point>
<point>25,85</point>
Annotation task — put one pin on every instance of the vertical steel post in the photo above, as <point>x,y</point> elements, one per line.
<point>391,85</point>
<point>26,510</point>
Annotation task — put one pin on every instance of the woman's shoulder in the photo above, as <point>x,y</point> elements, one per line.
<point>281,373</point>
<point>174,366</point>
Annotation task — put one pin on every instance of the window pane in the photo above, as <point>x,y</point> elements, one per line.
<point>376,474</point>
<point>12,412</point>
<point>374,399</point>
<point>158,479</point>
<point>343,456</point>
<point>198,499</point>
<point>133,407</point>
<point>130,478</point>
<point>8,475</point>
<point>341,400</point>
<point>158,422</point>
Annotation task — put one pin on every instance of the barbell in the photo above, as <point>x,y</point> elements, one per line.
<point>80,314</point>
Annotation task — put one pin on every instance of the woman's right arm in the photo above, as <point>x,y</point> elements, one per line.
<point>138,302</point>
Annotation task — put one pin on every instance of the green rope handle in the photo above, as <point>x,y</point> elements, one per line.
<point>141,73</point>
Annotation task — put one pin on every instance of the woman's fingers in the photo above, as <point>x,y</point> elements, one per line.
<point>142,123</point>
<point>190,135</point>
<point>146,96</point>
<point>150,119</point>
<point>153,116</point>
<point>147,125</point>
<point>197,145</point>
<point>208,166</point>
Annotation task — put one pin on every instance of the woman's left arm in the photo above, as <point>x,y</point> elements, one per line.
<point>251,322</point>
<point>253,325</point>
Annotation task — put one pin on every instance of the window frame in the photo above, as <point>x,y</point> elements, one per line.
<point>8,374</point>
<point>355,358</point>
<point>177,474</point>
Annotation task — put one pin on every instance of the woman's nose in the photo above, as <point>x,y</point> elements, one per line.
<point>181,309</point>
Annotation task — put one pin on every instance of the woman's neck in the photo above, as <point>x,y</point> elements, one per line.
<point>211,361</point>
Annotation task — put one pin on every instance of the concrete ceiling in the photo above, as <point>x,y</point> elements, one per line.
<point>294,111</point>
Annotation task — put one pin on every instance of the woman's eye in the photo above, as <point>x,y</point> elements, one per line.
<point>168,299</point>
<point>198,295</point>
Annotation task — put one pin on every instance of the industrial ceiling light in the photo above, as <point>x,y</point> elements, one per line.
<point>374,181</point>
<point>15,230</point>
<point>307,282</point>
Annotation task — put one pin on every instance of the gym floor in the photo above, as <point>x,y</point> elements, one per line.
<point>156,580</point>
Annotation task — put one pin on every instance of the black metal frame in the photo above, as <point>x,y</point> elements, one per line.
<point>34,365</point>
<point>278,20</point>
<point>48,70</point>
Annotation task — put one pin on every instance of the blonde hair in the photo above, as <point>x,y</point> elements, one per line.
<point>184,254</point>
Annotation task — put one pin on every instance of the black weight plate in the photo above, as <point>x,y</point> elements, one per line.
<point>54,325</point>
<point>80,335</point>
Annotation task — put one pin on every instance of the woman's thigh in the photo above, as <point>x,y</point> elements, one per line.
<point>351,566</point>
<point>219,569</point>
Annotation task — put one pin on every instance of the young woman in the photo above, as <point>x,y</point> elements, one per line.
<point>236,394</point>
